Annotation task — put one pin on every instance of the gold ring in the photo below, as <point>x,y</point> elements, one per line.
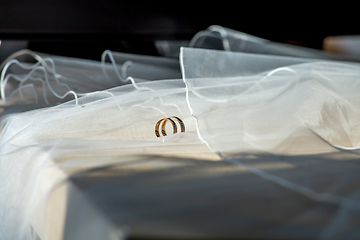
<point>163,122</point>
<point>181,123</point>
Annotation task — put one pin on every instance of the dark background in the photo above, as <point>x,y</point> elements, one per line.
<point>86,28</point>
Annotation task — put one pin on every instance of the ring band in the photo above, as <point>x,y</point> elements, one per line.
<point>181,123</point>
<point>163,122</point>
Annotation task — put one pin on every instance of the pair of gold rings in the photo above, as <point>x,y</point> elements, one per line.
<point>163,122</point>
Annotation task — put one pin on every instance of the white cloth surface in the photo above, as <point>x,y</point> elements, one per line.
<point>234,105</point>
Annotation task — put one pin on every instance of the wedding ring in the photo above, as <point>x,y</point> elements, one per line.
<point>181,123</point>
<point>163,122</point>
<point>163,131</point>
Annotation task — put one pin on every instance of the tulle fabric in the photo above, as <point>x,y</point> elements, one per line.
<point>222,38</point>
<point>116,122</point>
<point>29,153</point>
<point>249,107</point>
<point>315,100</point>
<point>48,79</point>
<point>291,121</point>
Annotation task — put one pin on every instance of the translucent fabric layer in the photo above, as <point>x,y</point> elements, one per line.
<point>143,67</point>
<point>48,79</point>
<point>288,124</point>
<point>118,121</point>
<point>51,79</point>
<point>314,103</point>
<point>249,107</point>
<point>221,38</point>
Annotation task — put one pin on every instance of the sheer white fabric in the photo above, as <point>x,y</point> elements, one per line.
<point>312,102</point>
<point>53,79</point>
<point>26,161</point>
<point>237,105</point>
<point>221,38</point>
<point>249,105</point>
<point>117,121</point>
